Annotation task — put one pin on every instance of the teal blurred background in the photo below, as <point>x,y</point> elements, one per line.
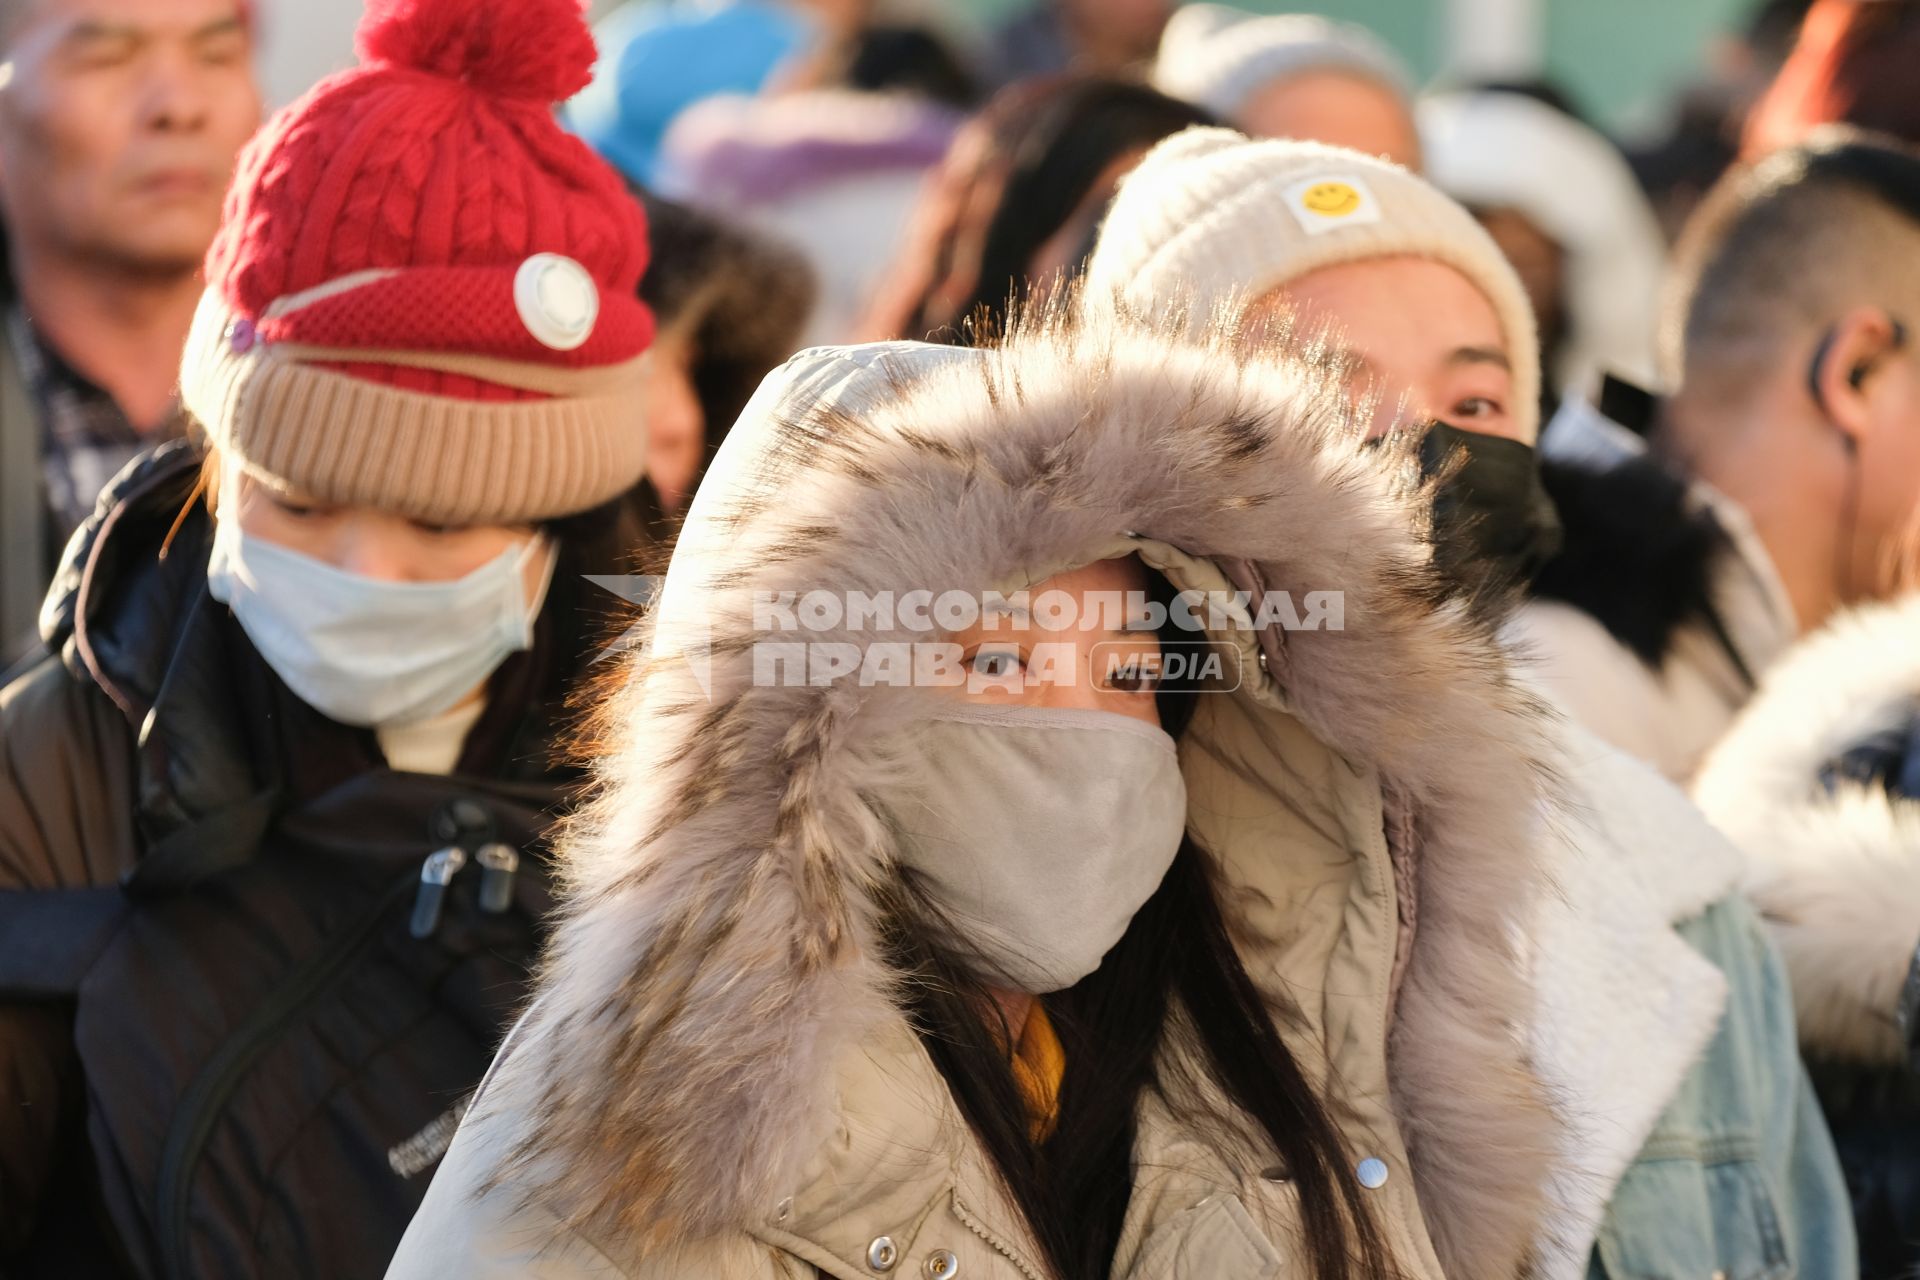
<point>1620,60</point>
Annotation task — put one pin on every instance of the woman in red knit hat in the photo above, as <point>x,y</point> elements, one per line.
<point>270,824</point>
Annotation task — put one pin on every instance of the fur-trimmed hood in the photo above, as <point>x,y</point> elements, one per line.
<point>1374,794</point>
<point>1835,858</point>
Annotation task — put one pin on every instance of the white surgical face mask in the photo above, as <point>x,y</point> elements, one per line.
<point>367,652</point>
<point>1039,833</point>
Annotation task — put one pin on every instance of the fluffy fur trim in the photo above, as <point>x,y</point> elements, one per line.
<point>1835,869</point>
<point>1638,554</point>
<point>717,955</point>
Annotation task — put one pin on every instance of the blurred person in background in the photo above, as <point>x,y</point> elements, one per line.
<point>119,123</point>
<point>659,57</point>
<point>1854,63</point>
<point>729,307</point>
<point>1783,467</point>
<point>869,47</point>
<point>1291,76</point>
<point>1717,1160</point>
<point>1560,201</point>
<point>1702,140</point>
<point>1819,782</point>
<point>831,172</point>
<point>831,157</point>
<point>270,865</point>
<point>1091,37</point>
<point>1015,205</point>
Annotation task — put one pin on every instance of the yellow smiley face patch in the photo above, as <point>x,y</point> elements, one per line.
<point>1331,201</point>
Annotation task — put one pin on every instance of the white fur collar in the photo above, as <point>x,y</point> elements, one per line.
<point>1626,1007</point>
<point>1837,873</point>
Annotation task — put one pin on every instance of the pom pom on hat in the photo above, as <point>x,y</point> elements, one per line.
<point>538,49</point>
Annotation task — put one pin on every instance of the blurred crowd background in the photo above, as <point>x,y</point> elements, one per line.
<point>841,171</point>
<point>1628,63</point>
<point>924,162</point>
<point>1669,82</point>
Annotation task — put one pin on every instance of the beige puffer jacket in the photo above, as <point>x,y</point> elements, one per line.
<point>713,1084</point>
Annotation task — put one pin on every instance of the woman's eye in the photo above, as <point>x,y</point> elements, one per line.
<point>434,529</point>
<point>996,664</point>
<point>1132,674</point>
<point>1477,408</point>
<point>296,509</point>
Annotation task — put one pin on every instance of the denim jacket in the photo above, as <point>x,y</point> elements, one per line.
<point>1739,1179</point>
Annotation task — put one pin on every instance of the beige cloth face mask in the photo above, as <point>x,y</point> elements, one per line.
<point>1040,833</point>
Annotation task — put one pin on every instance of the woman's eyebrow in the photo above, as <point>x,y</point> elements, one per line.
<point>1018,615</point>
<point>1345,362</point>
<point>1480,355</point>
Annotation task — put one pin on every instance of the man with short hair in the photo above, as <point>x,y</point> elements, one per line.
<point>1781,473</point>
<point>119,124</point>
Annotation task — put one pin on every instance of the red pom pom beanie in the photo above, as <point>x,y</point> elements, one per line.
<point>422,297</point>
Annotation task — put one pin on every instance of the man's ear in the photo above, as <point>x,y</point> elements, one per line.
<point>1842,375</point>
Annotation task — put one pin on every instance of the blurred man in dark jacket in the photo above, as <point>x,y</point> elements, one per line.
<point>119,123</point>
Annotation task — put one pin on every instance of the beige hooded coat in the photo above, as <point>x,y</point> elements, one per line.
<point>1475,962</point>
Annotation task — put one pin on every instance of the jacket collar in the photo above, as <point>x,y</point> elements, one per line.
<point>1748,592</point>
<point>1743,587</point>
<point>116,607</point>
<point>215,729</point>
<point>1624,1006</point>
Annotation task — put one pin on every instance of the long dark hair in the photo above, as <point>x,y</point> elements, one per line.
<point>1175,968</point>
<point>1175,958</point>
<point>1034,154</point>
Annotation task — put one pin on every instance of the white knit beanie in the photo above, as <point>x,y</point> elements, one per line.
<point>1217,58</point>
<point>1211,220</point>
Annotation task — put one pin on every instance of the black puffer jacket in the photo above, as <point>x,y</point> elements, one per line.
<point>1819,781</point>
<point>225,1049</point>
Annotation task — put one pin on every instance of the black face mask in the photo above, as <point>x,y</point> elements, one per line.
<point>1493,523</point>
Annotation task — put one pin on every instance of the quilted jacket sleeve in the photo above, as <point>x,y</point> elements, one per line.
<point>66,822</point>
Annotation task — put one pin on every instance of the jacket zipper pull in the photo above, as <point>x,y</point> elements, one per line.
<point>436,873</point>
<point>498,863</point>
